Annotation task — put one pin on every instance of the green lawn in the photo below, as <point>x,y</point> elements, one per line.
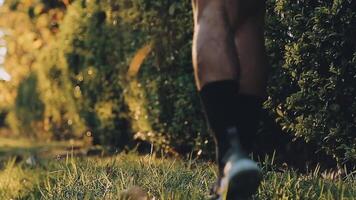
<point>71,177</point>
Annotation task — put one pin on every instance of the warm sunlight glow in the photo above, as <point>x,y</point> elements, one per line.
<point>3,51</point>
<point>4,75</point>
<point>138,59</point>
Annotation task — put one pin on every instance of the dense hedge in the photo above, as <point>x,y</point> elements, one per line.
<point>312,90</point>
<point>99,41</point>
<point>85,88</point>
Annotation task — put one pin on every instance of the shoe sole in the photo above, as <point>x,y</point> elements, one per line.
<point>243,180</point>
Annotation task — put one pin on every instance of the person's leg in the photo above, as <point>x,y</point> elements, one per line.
<point>253,73</point>
<point>216,69</point>
<point>229,63</point>
<point>249,42</point>
<point>214,53</point>
<point>230,66</point>
<point>229,43</point>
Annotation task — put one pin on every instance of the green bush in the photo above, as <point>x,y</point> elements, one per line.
<point>3,114</point>
<point>166,80</point>
<point>100,40</point>
<point>40,108</point>
<point>28,105</point>
<point>312,90</point>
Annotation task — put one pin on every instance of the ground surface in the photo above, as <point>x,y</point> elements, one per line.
<point>30,170</point>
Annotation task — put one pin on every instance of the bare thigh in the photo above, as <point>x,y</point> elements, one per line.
<point>214,53</point>
<point>249,43</point>
<point>247,18</point>
<point>229,44</point>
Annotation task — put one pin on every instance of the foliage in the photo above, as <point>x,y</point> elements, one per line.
<point>167,90</point>
<point>26,37</point>
<point>84,69</point>
<point>97,41</point>
<point>312,90</point>
<point>28,106</point>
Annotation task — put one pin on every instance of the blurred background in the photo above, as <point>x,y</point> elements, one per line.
<point>118,73</point>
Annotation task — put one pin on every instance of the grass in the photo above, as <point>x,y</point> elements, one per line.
<point>72,177</point>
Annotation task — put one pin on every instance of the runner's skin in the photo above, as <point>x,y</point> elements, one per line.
<point>229,44</point>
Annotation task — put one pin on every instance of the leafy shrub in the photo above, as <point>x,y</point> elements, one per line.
<point>312,90</point>
<point>100,40</point>
<point>31,113</point>
<point>168,94</point>
<point>28,106</point>
<point>3,114</point>
<point>81,67</point>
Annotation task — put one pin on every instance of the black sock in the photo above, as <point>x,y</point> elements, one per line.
<point>220,105</point>
<point>226,109</point>
<point>248,117</point>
